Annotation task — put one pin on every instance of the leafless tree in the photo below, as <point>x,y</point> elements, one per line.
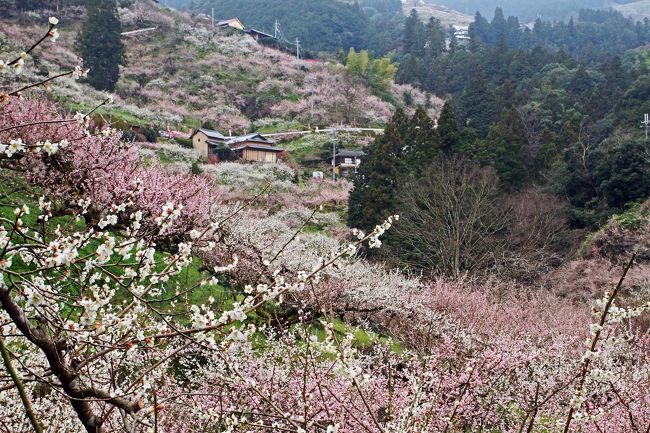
<point>451,219</point>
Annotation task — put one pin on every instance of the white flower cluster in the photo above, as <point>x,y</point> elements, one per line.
<point>170,213</point>
<point>51,148</point>
<point>53,34</point>
<point>374,241</point>
<point>80,72</point>
<point>18,65</point>
<point>14,146</point>
<point>18,146</point>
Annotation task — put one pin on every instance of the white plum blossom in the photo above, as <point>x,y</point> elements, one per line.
<point>80,117</point>
<point>79,72</point>
<point>169,214</point>
<point>108,220</point>
<point>105,250</point>
<point>49,147</point>
<point>15,146</point>
<point>54,35</point>
<point>19,65</point>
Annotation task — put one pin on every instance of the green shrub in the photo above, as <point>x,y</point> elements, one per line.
<point>225,153</point>
<point>150,134</point>
<point>196,168</point>
<point>631,218</point>
<point>185,142</point>
<point>129,135</point>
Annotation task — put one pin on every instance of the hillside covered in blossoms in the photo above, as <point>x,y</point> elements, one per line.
<point>183,74</point>
<point>204,229</point>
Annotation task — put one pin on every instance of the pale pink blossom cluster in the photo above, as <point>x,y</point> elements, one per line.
<point>100,168</point>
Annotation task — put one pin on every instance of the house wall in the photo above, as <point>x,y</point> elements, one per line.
<point>259,155</point>
<point>200,143</point>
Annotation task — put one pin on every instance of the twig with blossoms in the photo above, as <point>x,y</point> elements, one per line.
<point>592,352</point>
<point>19,62</point>
<point>76,73</point>
<point>52,33</point>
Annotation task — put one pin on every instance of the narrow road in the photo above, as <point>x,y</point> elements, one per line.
<point>324,131</point>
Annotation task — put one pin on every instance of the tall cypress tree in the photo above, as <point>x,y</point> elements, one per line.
<point>479,103</point>
<point>414,40</point>
<point>100,44</point>
<point>435,39</point>
<point>479,32</point>
<point>448,129</point>
<point>505,149</point>
<point>498,26</point>
<point>422,143</point>
<point>373,196</point>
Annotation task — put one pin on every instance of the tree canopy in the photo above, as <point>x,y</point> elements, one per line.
<point>100,45</point>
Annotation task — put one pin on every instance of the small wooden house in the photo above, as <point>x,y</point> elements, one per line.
<point>234,23</point>
<point>348,160</point>
<point>251,147</point>
<point>255,147</point>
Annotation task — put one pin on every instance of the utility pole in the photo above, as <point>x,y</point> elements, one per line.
<point>213,20</point>
<point>277,29</point>
<point>646,124</point>
<point>334,154</point>
<point>312,89</point>
<point>297,49</point>
<point>311,106</point>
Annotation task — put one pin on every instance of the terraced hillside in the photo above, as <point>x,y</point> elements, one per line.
<point>182,74</point>
<point>638,10</point>
<point>446,15</point>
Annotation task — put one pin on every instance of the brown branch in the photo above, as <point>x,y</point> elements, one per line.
<point>19,386</point>
<point>67,377</point>
<point>40,83</point>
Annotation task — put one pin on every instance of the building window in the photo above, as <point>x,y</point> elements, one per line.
<point>348,161</point>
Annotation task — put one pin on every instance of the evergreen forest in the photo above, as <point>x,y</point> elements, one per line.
<point>555,110</point>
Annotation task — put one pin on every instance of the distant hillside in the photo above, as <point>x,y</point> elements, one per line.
<point>446,15</point>
<point>524,9</point>
<point>181,75</point>
<point>638,10</point>
<point>320,25</point>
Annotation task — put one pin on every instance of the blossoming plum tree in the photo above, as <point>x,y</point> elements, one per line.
<point>96,334</point>
<point>92,308</point>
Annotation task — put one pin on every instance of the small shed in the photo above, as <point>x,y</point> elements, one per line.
<point>206,140</point>
<point>257,35</point>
